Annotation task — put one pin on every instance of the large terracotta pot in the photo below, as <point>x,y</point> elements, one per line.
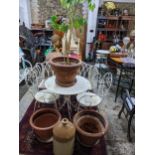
<point>91,126</point>
<point>43,121</point>
<point>65,73</point>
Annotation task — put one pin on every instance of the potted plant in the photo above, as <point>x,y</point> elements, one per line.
<point>65,67</point>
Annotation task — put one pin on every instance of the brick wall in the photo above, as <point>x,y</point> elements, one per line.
<point>41,10</point>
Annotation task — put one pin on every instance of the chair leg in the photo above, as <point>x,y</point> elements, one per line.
<point>116,95</point>
<point>130,89</point>
<point>35,106</point>
<point>55,105</point>
<point>129,126</point>
<point>119,115</point>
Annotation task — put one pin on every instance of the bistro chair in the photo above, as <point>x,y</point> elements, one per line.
<point>124,78</point>
<point>101,60</point>
<point>100,87</point>
<point>129,106</point>
<point>25,67</point>
<point>91,73</point>
<point>35,82</point>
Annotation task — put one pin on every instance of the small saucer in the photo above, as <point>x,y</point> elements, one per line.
<point>45,141</point>
<point>85,145</point>
<point>45,96</point>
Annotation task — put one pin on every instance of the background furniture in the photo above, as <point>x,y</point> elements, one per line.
<point>34,80</point>
<point>25,67</point>
<point>101,59</point>
<point>33,45</point>
<point>114,27</point>
<point>125,73</point>
<point>129,105</point>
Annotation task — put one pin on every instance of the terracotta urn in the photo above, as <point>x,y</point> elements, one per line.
<point>64,136</point>
<point>65,73</point>
<point>43,121</point>
<point>91,127</point>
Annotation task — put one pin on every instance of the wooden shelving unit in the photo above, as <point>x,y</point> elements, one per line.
<point>114,25</point>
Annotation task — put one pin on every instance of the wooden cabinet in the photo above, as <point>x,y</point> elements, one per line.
<point>114,27</point>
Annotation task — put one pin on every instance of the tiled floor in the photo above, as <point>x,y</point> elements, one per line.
<point>116,138</point>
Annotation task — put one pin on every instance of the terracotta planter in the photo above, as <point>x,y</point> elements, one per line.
<point>43,121</point>
<point>65,73</point>
<point>91,126</point>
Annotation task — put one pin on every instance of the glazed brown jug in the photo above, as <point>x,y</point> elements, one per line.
<point>64,136</point>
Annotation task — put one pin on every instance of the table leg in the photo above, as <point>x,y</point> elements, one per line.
<point>119,80</point>
<point>67,99</point>
<point>67,102</point>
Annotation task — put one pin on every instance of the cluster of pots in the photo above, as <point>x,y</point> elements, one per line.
<point>90,126</point>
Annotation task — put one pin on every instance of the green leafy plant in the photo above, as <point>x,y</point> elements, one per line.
<point>73,21</point>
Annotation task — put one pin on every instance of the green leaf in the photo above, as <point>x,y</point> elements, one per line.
<point>78,22</point>
<point>91,6</point>
<point>58,26</point>
<point>54,18</point>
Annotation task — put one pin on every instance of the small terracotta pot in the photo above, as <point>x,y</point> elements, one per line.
<point>43,121</point>
<point>65,73</point>
<point>91,126</point>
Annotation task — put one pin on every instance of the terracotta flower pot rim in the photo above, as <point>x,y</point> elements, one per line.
<point>51,61</point>
<point>88,133</point>
<point>93,135</point>
<point>42,110</point>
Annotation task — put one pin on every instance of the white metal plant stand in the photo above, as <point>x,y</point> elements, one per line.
<point>81,85</point>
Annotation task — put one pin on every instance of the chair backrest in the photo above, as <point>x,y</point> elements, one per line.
<point>36,77</point>
<point>128,74</point>
<point>24,70</point>
<point>85,69</point>
<point>90,72</point>
<point>100,83</point>
<point>104,84</point>
<point>128,100</point>
<point>45,69</point>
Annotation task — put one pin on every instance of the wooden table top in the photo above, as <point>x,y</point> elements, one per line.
<point>117,60</point>
<point>122,60</point>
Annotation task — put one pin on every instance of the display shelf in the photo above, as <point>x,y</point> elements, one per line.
<point>114,26</point>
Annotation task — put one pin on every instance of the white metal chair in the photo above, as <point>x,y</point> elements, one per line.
<point>104,84</point>
<point>91,73</point>
<point>35,82</point>
<point>24,70</point>
<point>88,100</point>
<point>100,86</point>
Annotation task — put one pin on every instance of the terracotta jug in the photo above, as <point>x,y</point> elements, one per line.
<point>64,136</point>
